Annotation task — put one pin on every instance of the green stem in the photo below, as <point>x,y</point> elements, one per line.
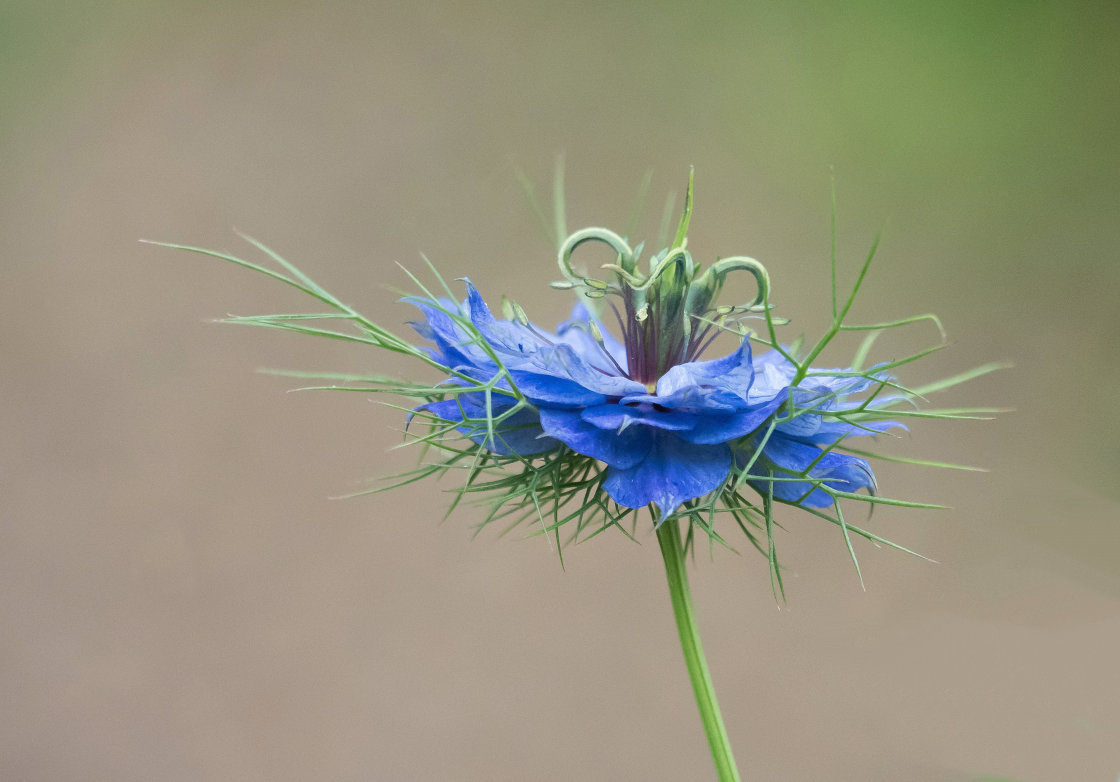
<point>669,536</point>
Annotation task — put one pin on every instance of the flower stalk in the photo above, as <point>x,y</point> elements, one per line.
<point>672,551</point>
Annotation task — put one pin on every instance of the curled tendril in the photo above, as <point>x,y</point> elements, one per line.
<point>712,280</point>
<point>604,235</point>
<point>702,290</point>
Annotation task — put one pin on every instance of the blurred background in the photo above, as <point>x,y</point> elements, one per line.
<point>181,600</point>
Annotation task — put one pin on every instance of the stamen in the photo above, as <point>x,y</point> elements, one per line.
<point>703,341</point>
<point>519,314</point>
<point>537,333</point>
<point>621,325</point>
<point>597,335</point>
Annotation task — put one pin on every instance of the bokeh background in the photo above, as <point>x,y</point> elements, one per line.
<point>180,600</point>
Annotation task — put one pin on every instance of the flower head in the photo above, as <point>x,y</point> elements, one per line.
<point>621,407</point>
<point>669,426</point>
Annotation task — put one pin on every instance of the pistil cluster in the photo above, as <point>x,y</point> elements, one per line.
<point>667,315</point>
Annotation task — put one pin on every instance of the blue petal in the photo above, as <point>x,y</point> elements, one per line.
<point>563,361</point>
<point>784,457</point>
<point>552,390</point>
<point>802,425</point>
<point>529,350</point>
<point>508,337</point>
<point>546,372</point>
<point>772,373</point>
<point>520,434</point>
<point>672,472</point>
<point>619,449</point>
<point>724,428</point>
<point>616,416</point>
<point>730,376</point>
<point>453,346</point>
<point>700,399</point>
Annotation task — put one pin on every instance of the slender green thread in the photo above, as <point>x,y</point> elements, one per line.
<point>669,537</point>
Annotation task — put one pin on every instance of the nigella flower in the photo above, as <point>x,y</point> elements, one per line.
<point>670,426</point>
<point>623,406</point>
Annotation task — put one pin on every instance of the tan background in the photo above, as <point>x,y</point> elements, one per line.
<point>179,600</point>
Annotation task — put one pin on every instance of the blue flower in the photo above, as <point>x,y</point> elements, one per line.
<point>666,439</point>
<point>579,426</point>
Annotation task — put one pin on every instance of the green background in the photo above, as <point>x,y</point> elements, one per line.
<point>181,601</point>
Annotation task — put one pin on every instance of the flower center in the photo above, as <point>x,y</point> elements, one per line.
<point>667,314</point>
